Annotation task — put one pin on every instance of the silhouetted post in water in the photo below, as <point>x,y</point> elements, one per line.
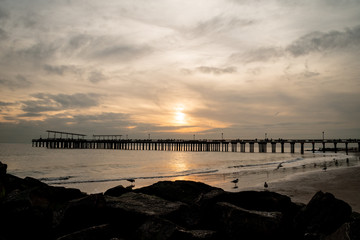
<point>313,147</point>
<point>273,147</point>
<point>323,147</point>
<point>335,149</point>
<point>264,147</point>
<point>242,147</point>
<point>292,147</point>
<point>282,147</point>
<point>302,148</point>
<point>346,148</point>
<point>252,147</point>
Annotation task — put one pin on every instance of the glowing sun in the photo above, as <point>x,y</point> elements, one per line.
<point>179,116</point>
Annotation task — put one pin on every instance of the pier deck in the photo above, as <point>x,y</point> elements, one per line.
<point>204,145</point>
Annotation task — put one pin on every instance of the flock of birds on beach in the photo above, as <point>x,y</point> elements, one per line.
<point>266,185</point>
<point>280,165</point>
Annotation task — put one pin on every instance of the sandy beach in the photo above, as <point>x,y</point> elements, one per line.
<point>344,183</point>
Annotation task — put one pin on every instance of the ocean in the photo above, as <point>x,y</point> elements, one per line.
<point>96,170</point>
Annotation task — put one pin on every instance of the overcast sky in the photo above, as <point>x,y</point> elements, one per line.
<point>174,69</point>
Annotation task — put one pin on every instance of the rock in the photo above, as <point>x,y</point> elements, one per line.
<point>184,191</point>
<point>81,213</point>
<point>240,223</point>
<point>354,226</point>
<point>143,204</point>
<point>117,191</point>
<point>161,229</point>
<point>30,206</point>
<point>101,232</point>
<point>53,197</point>
<point>342,233</point>
<point>3,168</point>
<point>137,206</point>
<point>348,231</point>
<point>323,215</point>
<point>20,220</point>
<point>258,200</point>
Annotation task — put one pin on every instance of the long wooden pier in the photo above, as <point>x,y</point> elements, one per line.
<point>204,145</point>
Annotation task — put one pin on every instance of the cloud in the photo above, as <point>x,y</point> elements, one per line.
<point>3,34</point>
<point>5,104</point>
<point>215,70</point>
<point>320,42</point>
<point>121,52</point>
<point>217,25</point>
<point>50,102</point>
<point>105,47</point>
<point>79,41</point>
<point>19,81</point>
<point>262,54</point>
<point>60,70</point>
<point>312,42</point>
<point>96,76</point>
<point>36,53</point>
<point>3,14</point>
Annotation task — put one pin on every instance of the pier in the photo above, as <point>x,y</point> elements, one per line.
<point>64,140</point>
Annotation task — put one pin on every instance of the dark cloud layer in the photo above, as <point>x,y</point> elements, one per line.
<point>50,102</point>
<point>60,70</point>
<point>18,82</point>
<point>314,42</point>
<point>215,70</point>
<point>320,42</point>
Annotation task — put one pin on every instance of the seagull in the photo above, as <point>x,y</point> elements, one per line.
<point>130,180</point>
<point>279,166</point>
<point>324,168</point>
<point>235,181</point>
<point>266,185</point>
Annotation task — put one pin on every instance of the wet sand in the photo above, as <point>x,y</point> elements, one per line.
<point>343,183</point>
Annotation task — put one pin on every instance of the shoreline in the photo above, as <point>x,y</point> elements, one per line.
<point>343,183</point>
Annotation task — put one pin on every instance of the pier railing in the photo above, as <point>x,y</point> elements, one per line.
<point>201,145</point>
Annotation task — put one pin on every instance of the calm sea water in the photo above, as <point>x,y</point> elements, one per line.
<point>96,170</point>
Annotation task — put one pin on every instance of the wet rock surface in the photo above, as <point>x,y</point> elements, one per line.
<point>30,209</point>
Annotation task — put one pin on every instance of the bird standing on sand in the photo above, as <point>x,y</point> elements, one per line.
<point>235,181</point>
<point>266,185</point>
<point>324,168</point>
<point>130,180</point>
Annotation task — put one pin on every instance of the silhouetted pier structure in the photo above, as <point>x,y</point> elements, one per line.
<point>58,141</point>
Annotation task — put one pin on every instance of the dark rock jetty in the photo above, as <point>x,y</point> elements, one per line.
<point>30,209</point>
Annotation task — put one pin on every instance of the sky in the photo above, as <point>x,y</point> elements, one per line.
<point>180,69</point>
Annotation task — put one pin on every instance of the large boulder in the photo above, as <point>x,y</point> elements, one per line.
<point>239,223</point>
<point>3,168</point>
<point>81,213</point>
<point>161,229</point>
<point>117,191</point>
<point>257,200</point>
<point>323,215</point>
<point>132,208</point>
<point>30,205</point>
<point>184,191</point>
<point>101,232</point>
